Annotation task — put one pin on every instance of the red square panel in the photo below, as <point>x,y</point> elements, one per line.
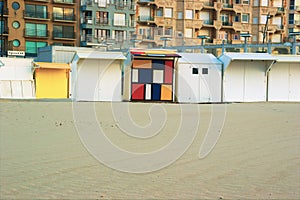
<point>169,63</point>
<point>137,91</point>
<point>168,76</point>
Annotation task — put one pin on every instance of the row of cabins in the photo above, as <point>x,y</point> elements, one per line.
<point>152,75</point>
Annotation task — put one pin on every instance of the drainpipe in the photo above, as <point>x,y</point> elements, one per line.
<point>267,75</point>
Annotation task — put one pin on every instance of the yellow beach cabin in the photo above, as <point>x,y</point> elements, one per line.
<point>51,79</point>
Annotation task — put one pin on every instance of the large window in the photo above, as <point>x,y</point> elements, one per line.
<point>63,32</point>
<point>119,19</point>
<point>169,12</point>
<point>38,30</point>
<point>101,17</point>
<point>63,13</point>
<point>2,27</point>
<point>189,14</point>
<point>245,18</point>
<point>291,18</point>
<point>32,47</point>
<point>102,34</point>
<point>36,11</point>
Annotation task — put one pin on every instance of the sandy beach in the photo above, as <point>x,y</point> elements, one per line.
<point>256,157</point>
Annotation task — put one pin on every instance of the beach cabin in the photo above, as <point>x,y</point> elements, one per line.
<point>284,79</point>
<point>97,76</point>
<point>51,79</point>
<point>16,78</point>
<point>245,76</point>
<point>151,75</point>
<point>198,78</point>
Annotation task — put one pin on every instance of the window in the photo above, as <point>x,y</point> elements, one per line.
<point>179,15</point>
<point>224,17</point>
<point>102,3</point>
<point>169,31</point>
<point>255,20</point>
<point>159,12</point>
<point>264,3</point>
<point>39,30</point>
<point>101,17</point>
<point>169,12</point>
<point>195,71</point>
<point>245,18</point>
<point>32,47</point>
<point>15,5</point>
<point>245,1</point>
<point>2,27</point>
<point>236,18</point>
<point>63,32</point>
<point>16,43</point>
<point>16,24</point>
<point>189,14</point>
<point>119,36</point>
<point>63,13</point>
<point>189,32</point>
<point>204,70</point>
<point>291,18</point>
<point>102,34</point>
<point>292,4</point>
<point>237,1</point>
<point>36,11</point>
<point>119,19</point>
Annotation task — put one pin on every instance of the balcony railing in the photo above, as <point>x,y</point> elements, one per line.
<point>65,1</point>
<point>208,22</point>
<point>39,0</point>
<point>145,18</point>
<point>225,5</point>
<point>280,9</point>
<point>59,17</point>
<point>63,35</point>
<point>297,22</point>
<point>145,1</point>
<point>102,21</point>
<point>37,15</point>
<point>209,4</point>
<point>226,24</point>
<point>40,33</point>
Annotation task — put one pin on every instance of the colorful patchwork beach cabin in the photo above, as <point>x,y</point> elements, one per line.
<point>152,75</point>
<point>16,78</point>
<point>51,79</point>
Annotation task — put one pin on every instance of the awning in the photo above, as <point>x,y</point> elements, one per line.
<point>48,65</point>
<point>101,55</point>
<point>154,53</point>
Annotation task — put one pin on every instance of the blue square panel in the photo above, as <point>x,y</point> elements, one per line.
<point>145,76</point>
<point>158,64</point>
<point>156,90</point>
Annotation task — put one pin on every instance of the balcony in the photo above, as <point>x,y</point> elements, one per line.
<point>297,22</point>
<point>209,4</point>
<point>227,24</point>
<point>39,0</point>
<point>64,18</point>
<point>145,1</point>
<point>36,33</point>
<point>102,21</point>
<point>208,22</point>
<point>64,1</point>
<point>227,6</point>
<point>36,15</point>
<point>242,27</point>
<point>145,19</point>
<point>280,9</point>
<point>58,35</point>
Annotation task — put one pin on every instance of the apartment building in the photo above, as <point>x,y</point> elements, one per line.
<point>294,16</point>
<point>27,25</point>
<point>181,22</point>
<point>108,23</point>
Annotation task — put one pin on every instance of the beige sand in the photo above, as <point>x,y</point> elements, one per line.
<point>257,155</point>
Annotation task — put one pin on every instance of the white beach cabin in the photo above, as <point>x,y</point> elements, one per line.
<point>16,78</point>
<point>199,78</point>
<point>284,79</point>
<point>245,76</point>
<point>97,76</point>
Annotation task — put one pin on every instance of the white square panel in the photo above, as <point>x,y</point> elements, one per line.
<point>135,75</point>
<point>158,76</point>
<point>148,92</point>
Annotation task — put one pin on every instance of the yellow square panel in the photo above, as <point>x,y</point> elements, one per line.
<point>166,92</point>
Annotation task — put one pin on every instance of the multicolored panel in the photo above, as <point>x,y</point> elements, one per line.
<point>145,76</point>
<point>168,76</point>
<point>166,92</point>
<point>158,64</point>
<point>135,75</point>
<point>148,92</point>
<point>137,91</point>
<point>146,64</point>
<point>158,76</point>
<point>156,89</point>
